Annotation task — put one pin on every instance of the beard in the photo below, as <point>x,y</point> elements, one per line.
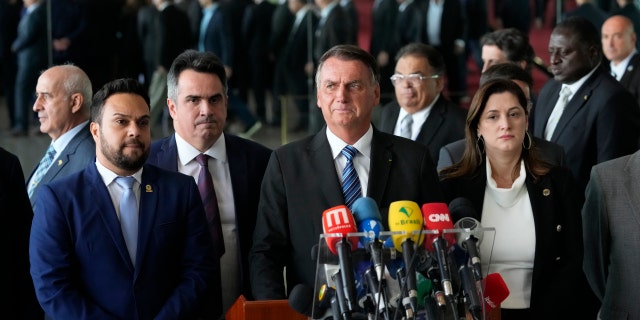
<point>123,161</point>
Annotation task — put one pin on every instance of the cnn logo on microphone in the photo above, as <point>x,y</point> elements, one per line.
<point>439,217</point>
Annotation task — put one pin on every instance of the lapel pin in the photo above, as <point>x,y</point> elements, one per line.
<point>586,97</point>
<point>59,162</point>
<point>546,192</point>
<point>630,68</point>
<point>148,188</point>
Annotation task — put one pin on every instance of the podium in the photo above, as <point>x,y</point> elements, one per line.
<point>262,310</point>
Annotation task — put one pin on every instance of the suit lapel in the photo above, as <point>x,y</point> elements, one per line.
<point>578,100</point>
<point>631,181</point>
<point>67,154</point>
<point>389,122</point>
<point>167,157</point>
<point>544,110</point>
<point>628,72</point>
<point>319,157</point>
<point>149,193</point>
<point>99,194</point>
<point>381,162</point>
<point>431,126</point>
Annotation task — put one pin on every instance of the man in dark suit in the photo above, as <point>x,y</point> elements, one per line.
<point>30,47</point>
<point>303,178</point>
<point>63,101</point>
<point>583,120</point>
<point>629,9</point>
<point>588,10</point>
<point>548,151</point>
<point>19,300</point>
<point>9,18</point>
<point>619,46</point>
<point>420,112</point>
<point>100,249</point>
<point>68,27</point>
<point>197,102</point>
<point>351,13</point>
<point>332,27</point>
<point>383,42</point>
<point>147,33</point>
<point>443,27</point>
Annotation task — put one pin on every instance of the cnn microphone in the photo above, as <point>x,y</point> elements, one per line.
<point>463,213</point>
<point>495,291</point>
<point>406,216</point>
<point>339,220</point>
<point>436,217</point>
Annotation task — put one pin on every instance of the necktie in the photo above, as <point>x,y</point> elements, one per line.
<point>405,129</point>
<point>43,167</point>
<point>350,181</point>
<point>557,113</point>
<point>210,202</point>
<point>129,215</point>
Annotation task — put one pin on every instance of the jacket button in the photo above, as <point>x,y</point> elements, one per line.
<point>546,192</point>
<point>559,228</point>
<point>557,258</point>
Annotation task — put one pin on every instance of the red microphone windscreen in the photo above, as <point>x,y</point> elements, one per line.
<point>339,220</point>
<point>436,217</point>
<point>495,291</point>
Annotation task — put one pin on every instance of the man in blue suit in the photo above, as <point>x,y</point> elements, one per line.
<point>197,103</point>
<point>87,261</point>
<point>63,99</point>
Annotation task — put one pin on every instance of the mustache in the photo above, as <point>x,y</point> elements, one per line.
<point>133,142</point>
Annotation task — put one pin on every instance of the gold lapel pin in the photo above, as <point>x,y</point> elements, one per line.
<point>59,162</point>
<point>148,188</point>
<point>546,192</point>
<point>586,97</point>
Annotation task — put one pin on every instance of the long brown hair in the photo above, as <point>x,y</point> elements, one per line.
<point>474,153</point>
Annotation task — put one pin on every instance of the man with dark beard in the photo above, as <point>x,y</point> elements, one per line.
<point>121,239</point>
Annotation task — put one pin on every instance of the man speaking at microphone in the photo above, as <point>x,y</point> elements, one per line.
<point>306,177</point>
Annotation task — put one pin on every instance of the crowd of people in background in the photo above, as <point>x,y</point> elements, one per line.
<point>555,170</point>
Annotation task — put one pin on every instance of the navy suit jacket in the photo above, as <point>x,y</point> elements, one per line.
<point>445,124</point>
<point>218,37</point>
<point>79,260</point>
<point>77,155</point>
<point>631,77</point>
<point>599,123</point>
<point>247,163</point>
<point>301,182</point>
<point>19,300</point>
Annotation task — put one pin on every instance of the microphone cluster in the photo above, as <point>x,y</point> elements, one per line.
<point>424,267</point>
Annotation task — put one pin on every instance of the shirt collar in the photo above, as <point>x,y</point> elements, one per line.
<point>363,145</point>
<point>63,140</point>
<point>186,152</point>
<point>574,87</point>
<point>109,176</point>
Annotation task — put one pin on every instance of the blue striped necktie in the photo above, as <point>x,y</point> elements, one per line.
<point>43,167</point>
<point>350,182</point>
<point>129,215</point>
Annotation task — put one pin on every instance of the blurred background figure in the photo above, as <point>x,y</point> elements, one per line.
<point>619,46</point>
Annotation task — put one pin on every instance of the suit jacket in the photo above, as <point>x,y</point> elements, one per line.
<point>281,24</point>
<point>548,151</point>
<point>611,216</point>
<point>633,13</point>
<point>631,78</point>
<point>384,23</point>
<point>452,25</point>
<point>590,12</point>
<point>333,31</point>
<point>294,56</point>
<point>77,155</point>
<point>30,45</point>
<point>19,300</point>
<point>247,163</point>
<point>174,35</point>
<point>217,36</point>
<point>590,130</point>
<point>301,182</point>
<point>80,264</point>
<point>445,124</point>
<point>558,229</point>
<point>148,35</point>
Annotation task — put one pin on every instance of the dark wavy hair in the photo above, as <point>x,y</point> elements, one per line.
<point>474,154</point>
<point>114,87</point>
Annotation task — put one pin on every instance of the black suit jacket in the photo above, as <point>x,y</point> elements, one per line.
<point>301,182</point>
<point>590,12</point>
<point>174,35</point>
<point>548,151</point>
<point>631,78</point>
<point>599,123</point>
<point>557,266</point>
<point>247,163</point>
<point>294,56</point>
<point>19,300</point>
<point>332,32</point>
<point>445,124</point>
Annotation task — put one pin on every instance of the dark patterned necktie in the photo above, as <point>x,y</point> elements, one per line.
<point>210,202</point>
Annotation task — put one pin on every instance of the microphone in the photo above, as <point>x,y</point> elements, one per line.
<point>495,291</point>
<point>339,220</point>
<point>436,217</point>
<point>367,216</point>
<point>474,304</point>
<point>463,213</point>
<point>406,216</point>
<point>301,300</point>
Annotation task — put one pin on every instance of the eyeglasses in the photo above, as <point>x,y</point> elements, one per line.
<point>413,78</point>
